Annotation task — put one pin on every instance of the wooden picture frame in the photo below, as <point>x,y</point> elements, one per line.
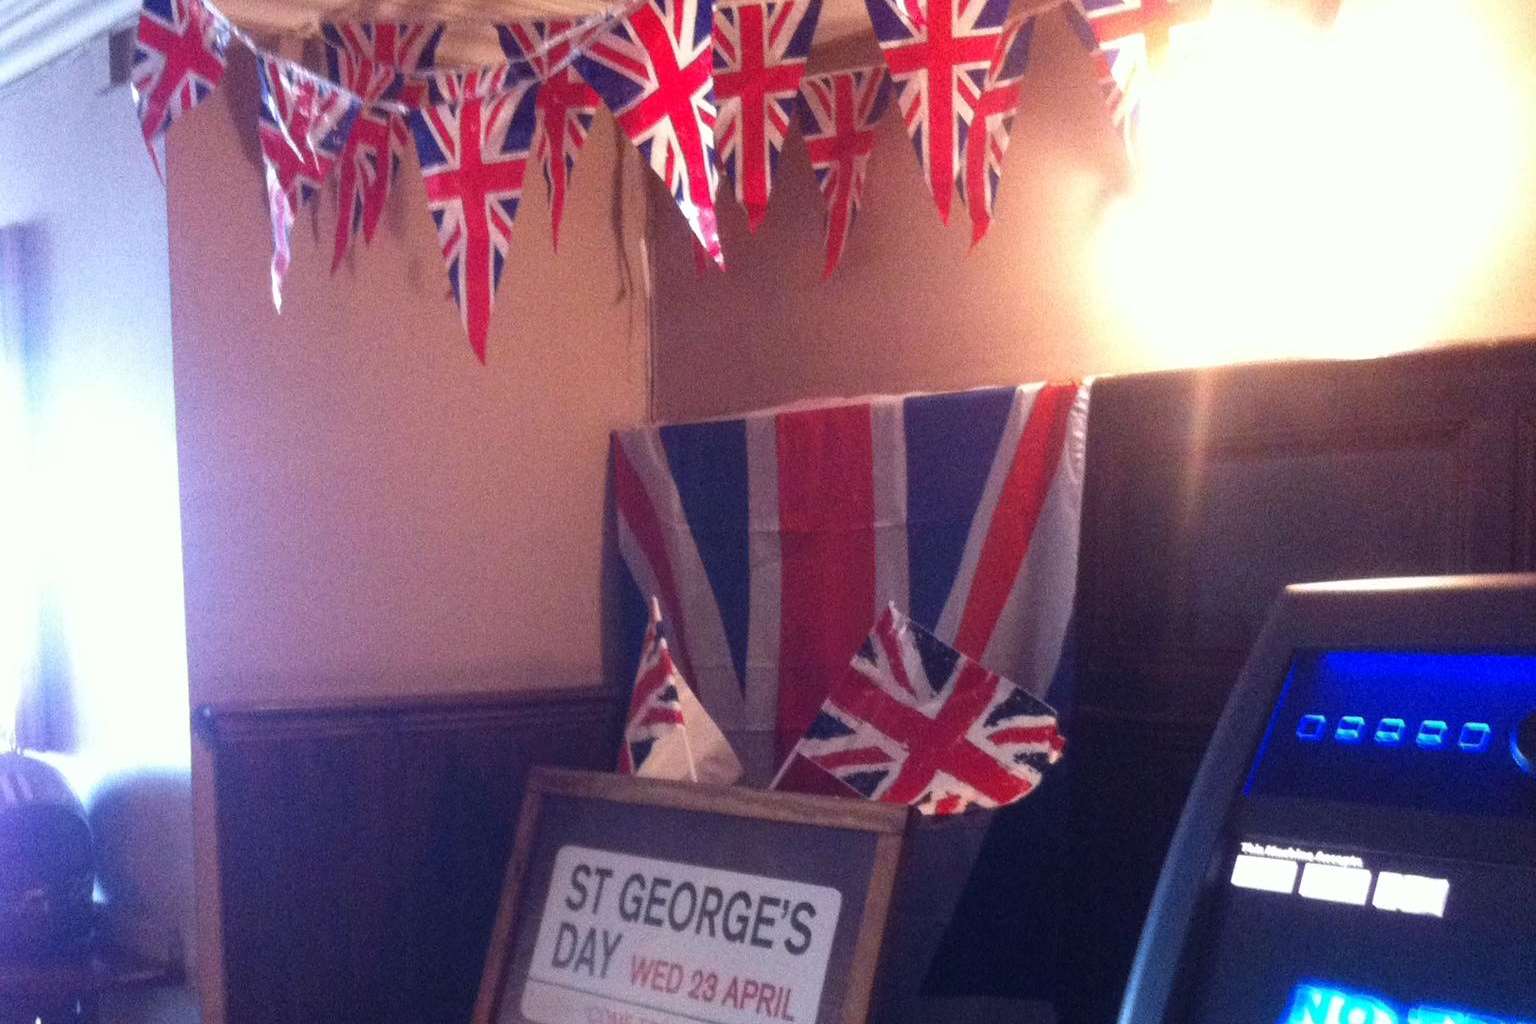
<point>789,840</point>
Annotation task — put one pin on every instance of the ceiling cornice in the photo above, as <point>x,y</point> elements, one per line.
<point>34,32</point>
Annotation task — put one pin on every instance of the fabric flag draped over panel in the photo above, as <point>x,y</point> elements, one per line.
<point>760,55</point>
<point>474,153</point>
<point>838,114</point>
<point>774,541</point>
<point>940,71</point>
<point>652,68</point>
<point>987,141</point>
<point>303,128</point>
<point>566,105</point>
<point>366,59</point>
<point>913,721</point>
<point>178,60</point>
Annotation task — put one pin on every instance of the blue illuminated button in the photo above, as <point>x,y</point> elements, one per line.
<point>1349,730</point>
<point>1312,728</point>
<point>1475,737</point>
<point>1432,734</point>
<point>1389,731</point>
<point>1522,743</point>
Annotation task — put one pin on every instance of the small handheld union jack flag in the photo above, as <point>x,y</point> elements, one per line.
<point>178,60</point>
<point>566,105</point>
<point>474,153</point>
<point>913,721</point>
<point>940,71</point>
<point>304,126</point>
<point>987,140</point>
<point>838,114</point>
<point>368,59</point>
<point>760,55</point>
<point>652,68</point>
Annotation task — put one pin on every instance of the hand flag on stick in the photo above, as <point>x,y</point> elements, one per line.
<point>668,734</point>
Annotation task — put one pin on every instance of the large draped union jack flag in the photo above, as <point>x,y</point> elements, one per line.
<point>774,541</point>
<point>566,105</point>
<point>473,149</point>
<point>913,721</point>
<point>940,71</point>
<point>652,68</point>
<point>369,59</point>
<point>178,60</point>
<point>838,114</point>
<point>986,142</point>
<point>760,55</point>
<point>303,128</point>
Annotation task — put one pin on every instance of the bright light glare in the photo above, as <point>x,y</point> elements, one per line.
<point>18,587</point>
<point>1310,192</point>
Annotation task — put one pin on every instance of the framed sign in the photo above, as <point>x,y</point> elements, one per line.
<point>638,901</point>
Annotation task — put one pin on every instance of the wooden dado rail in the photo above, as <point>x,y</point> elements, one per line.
<point>361,845</point>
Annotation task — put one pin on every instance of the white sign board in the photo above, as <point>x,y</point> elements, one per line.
<point>635,940</point>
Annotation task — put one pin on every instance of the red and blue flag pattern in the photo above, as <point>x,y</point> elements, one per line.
<point>774,540</point>
<point>652,68</point>
<point>986,142</point>
<point>474,149</point>
<point>566,105</point>
<point>369,60</point>
<point>655,706</point>
<point>760,55</point>
<point>838,114</point>
<point>303,128</point>
<point>178,60</point>
<point>913,721</point>
<point>940,71</point>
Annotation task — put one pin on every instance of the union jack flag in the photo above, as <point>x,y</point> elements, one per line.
<point>1126,36</point>
<point>652,68</point>
<point>303,128</point>
<point>914,721</point>
<point>760,55</point>
<point>566,105</point>
<point>987,140</point>
<point>838,114</point>
<point>368,59</point>
<point>940,71</point>
<point>178,60</point>
<point>474,152</point>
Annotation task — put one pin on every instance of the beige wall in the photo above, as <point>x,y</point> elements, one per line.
<point>365,508</point>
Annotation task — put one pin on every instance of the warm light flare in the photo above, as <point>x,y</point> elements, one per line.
<point>1323,192</point>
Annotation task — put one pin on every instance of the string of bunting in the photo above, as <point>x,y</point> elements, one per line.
<point>695,87</point>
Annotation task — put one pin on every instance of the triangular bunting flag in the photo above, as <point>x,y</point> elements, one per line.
<point>939,73</point>
<point>566,104</point>
<point>178,60</point>
<point>652,68</point>
<point>760,55</point>
<point>473,147</point>
<point>367,59</point>
<point>987,140</point>
<point>303,128</point>
<point>838,114</point>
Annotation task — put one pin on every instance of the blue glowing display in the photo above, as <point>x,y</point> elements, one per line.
<point>1389,732</point>
<point>1432,733</point>
<point>1475,737</point>
<point>1327,1004</point>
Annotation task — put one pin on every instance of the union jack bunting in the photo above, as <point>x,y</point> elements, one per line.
<point>760,55</point>
<point>838,114</point>
<point>369,59</point>
<point>987,140</point>
<point>178,60</point>
<point>652,68</point>
<point>940,71</point>
<point>473,153</point>
<point>1126,36</point>
<point>566,105</point>
<point>667,734</point>
<point>773,541</point>
<point>914,721</point>
<point>303,128</point>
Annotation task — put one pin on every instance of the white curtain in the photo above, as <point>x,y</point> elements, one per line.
<point>19,625</point>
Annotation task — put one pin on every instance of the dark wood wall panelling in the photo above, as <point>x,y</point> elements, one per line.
<point>362,846</point>
<point>1209,490</point>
